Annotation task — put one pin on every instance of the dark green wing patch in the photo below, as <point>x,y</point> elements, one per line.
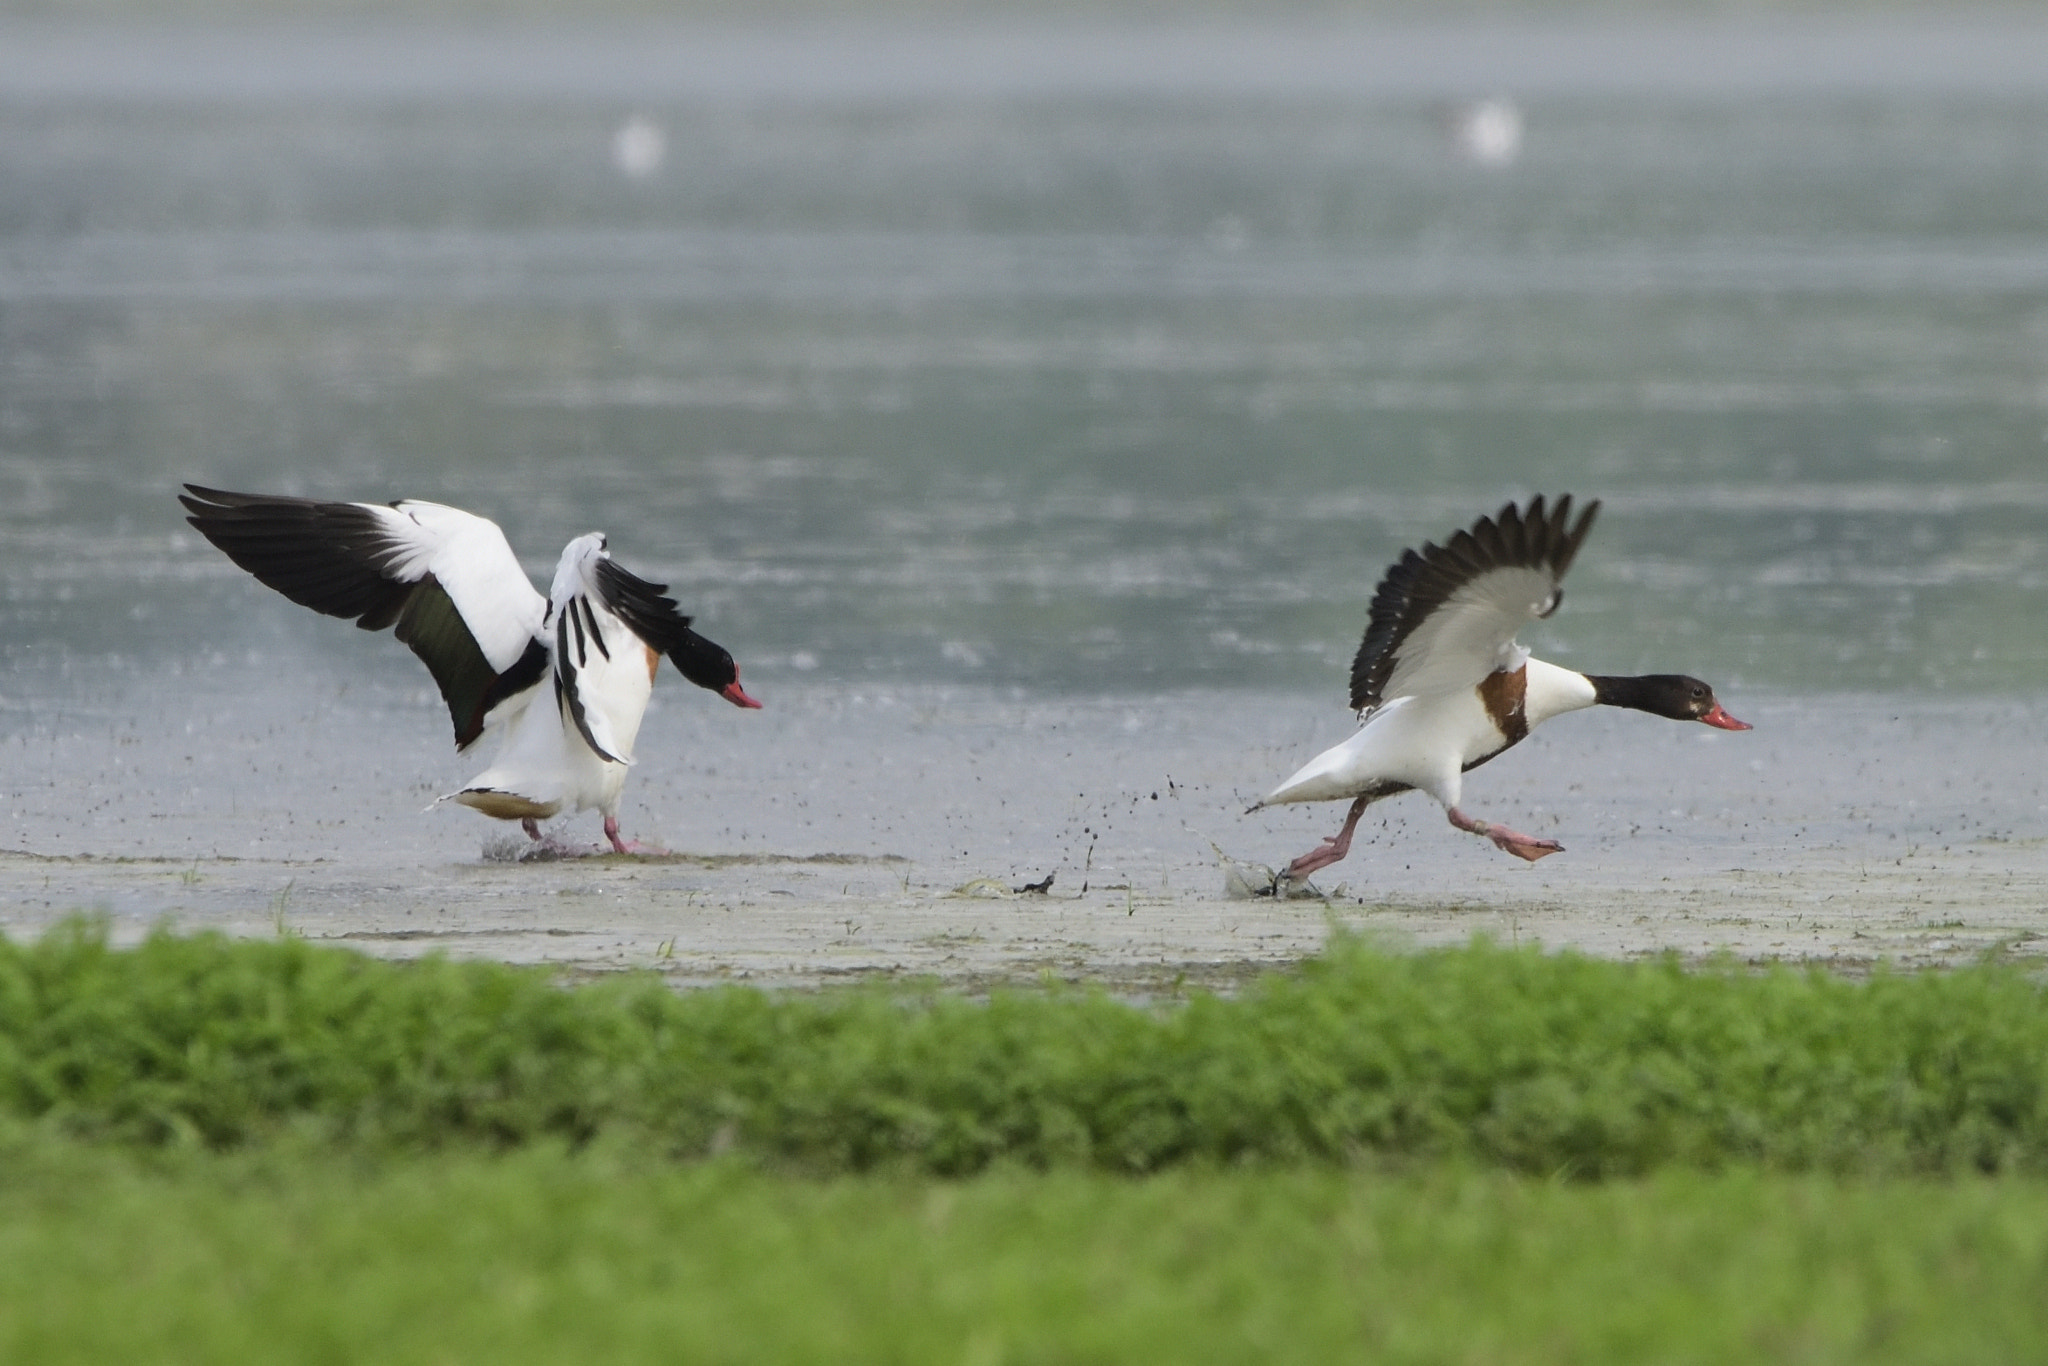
<point>434,630</point>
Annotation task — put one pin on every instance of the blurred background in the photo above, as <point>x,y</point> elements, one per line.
<point>1069,349</point>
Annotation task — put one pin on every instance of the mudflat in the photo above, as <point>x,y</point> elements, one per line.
<point>900,833</point>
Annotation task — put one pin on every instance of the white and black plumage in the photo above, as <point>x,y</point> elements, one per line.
<point>1440,686</point>
<point>564,679</point>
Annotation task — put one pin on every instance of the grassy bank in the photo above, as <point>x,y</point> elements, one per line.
<point>543,1257</point>
<point>1514,1059</point>
<point>221,1150</point>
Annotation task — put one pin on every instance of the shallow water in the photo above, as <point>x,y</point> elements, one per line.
<point>1065,388</point>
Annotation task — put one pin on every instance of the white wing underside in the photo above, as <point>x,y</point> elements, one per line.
<point>1471,634</point>
<point>471,560</point>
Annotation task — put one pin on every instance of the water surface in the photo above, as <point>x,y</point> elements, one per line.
<point>1094,367</point>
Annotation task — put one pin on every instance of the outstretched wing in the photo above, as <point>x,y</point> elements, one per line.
<point>643,606</point>
<point>652,615</point>
<point>444,578</point>
<point>1445,617</point>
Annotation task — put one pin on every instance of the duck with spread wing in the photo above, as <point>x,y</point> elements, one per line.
<point>563,680</point>
<point>1441,686</point>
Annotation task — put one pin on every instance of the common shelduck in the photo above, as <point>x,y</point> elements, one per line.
<point>448,582</point>
<point>1440,686</point>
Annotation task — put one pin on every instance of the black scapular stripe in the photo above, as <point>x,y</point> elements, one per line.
<point>596,632</point>
<point>567,698</point>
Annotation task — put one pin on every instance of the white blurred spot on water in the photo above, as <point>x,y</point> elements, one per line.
<point>1488,132</point>
<point>639,147</point>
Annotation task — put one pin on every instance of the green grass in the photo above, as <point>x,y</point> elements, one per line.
<point>1542,1064</point>
<point>538,1256</point>
<point>214,1150</point>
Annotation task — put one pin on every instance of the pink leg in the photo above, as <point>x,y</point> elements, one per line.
<point>544,844</point>
<point>1330,850</point>
<point>622,846</point>
<point>1520,845</point>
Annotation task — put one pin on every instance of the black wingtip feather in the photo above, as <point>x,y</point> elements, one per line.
<point>645,607</point>
<point>653,616</point>
<point>331,557</point>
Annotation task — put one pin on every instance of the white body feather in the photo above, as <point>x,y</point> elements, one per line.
<point>1426,742</point>
<point>545,759</point>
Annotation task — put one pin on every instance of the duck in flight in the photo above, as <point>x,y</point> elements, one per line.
<point>1440,686</point>
<point>562,679</point>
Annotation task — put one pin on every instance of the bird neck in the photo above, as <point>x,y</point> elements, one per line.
<point>1637,692</point>
<point>1553,691</point>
